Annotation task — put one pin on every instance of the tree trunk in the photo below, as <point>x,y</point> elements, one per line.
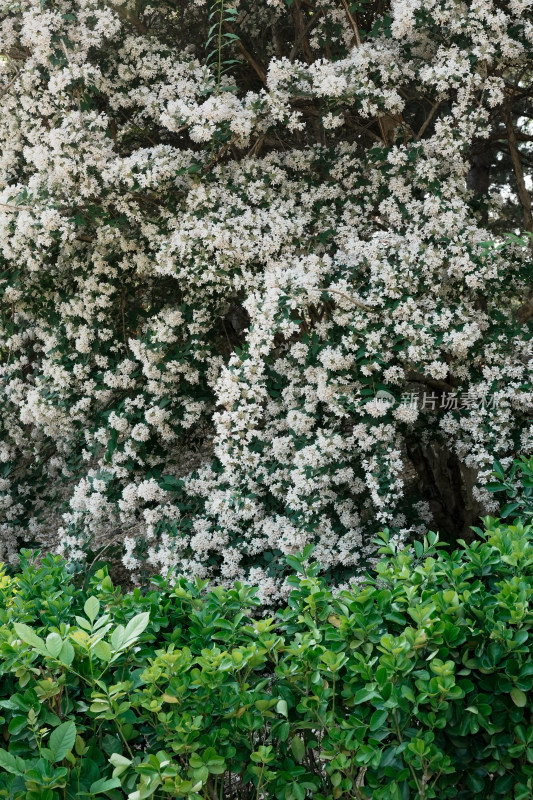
<point>446,485</point>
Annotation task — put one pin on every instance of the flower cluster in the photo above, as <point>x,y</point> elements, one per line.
<point>204,282</point>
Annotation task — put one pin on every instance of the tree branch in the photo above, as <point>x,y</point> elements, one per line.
<point>427,120</point>
<point>347,297</point>
<point>353,23</point>
<point>137,24</point>
<point>299,41</point>
<point>523,194</point>
<point>258,69</point>
<point>525,311</point>
<point>299,28</point>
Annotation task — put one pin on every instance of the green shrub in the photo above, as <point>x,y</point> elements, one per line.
<point>418,685</point>
<point>517,487</point>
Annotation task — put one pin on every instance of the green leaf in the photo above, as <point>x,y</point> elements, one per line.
<point>117,637</point>
<point>10,763</point>
<point>377,719</point>
<point>66,654</point>
<point>363,695</point>
<point>121,763</point>
<point>29,636</point>
<point>298,749</point>
<point>62,740</point>
<point>295,564</point>
<point>91,608</point>
<point>135,627</point>
<point>283,731</point>
<point>54,643</point>
<point>102,651</point>
<point>104,784</point>
<point>508,509</point>
<point>518,697</point>
<point>498,470</point>
<point>111,445</point>
<point>495,487</point>
<point>281,708</point>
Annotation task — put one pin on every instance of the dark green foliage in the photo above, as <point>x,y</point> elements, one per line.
<point>521,499</point>
<point>416,685</point>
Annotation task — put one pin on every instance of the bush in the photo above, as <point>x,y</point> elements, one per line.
<point>517,487</point>
<point>416,685</point>
<point>255,287</point>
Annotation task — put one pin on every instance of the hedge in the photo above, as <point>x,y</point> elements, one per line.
<point>416,684</point>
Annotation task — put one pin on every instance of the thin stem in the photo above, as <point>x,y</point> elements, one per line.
<point>421,792</point>
<point>347,297</point>
<point>119,728</point>
<point>523,194</point>
<point>220,24</point>
<point>260,780</point>
<point>353,23</point>
<point>427,120</point>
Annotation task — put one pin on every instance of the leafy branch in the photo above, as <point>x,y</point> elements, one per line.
<point>220,38</point>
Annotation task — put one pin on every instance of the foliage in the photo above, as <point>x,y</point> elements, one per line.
<point>245,292</point>
<point>417,684</point>
<point>517,486</point>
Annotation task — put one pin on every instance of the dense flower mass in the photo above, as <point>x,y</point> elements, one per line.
<point>246,286</point>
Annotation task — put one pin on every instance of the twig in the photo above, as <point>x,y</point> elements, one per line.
<point>9,85</point>
<point>433,383</point>
<point>427,120</point>
<point>299,28</point>
<point>387,124</point>
<point>255,148</point>
<point>123,312</point>
<point>278,47</point>
<point>220,154</point>
<point>353,23</point>
<point>299,41</point>
<point>140,27</point>
<point>15,208</point>
<point>525,311</point>
<point>523,194</point>
<point>347,297</point>
<point>366,130</point>
<point>249,58</point>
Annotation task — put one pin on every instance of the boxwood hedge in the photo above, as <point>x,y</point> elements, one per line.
<point>416,684</point>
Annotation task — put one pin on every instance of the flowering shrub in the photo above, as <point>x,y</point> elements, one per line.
<point>416,686</point>
<point>247,300</point>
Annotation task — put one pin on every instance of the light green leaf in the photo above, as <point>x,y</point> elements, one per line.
<point>66,654</point>
<point>103,784</point>
<point>29,636</point>
<point>62,740</point>
<point>282,708</point>
<point>135,627</point>
<point>102,651</point>
<point>120,763</point>
<point>117,637</point>
<point>518,697</point>
<point>54,643</point>
<point>91,608</point>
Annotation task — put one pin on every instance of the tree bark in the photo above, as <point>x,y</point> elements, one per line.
<point>446,485</point>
